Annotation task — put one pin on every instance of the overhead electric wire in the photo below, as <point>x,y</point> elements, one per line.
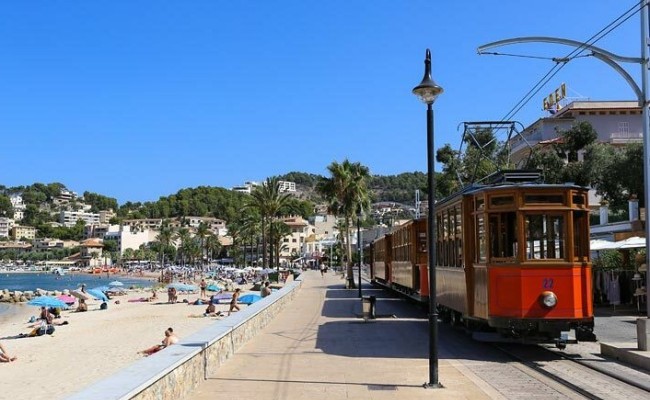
<point>561,62</point>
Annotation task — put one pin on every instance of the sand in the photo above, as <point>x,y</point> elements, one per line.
<point>94,345</point>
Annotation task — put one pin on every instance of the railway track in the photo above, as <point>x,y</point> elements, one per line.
<point>572,377</point>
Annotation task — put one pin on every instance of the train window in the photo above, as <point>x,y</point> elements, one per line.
<point>503,236</point>
<point>544,199</point>
<point>545,237</point>
<point>502,201</point>
<point>479,204</point>
<point>481,254</point>
<point>578,199</point>
<point>580,236</point>
<point>459,226</point>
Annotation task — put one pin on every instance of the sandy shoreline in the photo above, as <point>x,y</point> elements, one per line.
<point>94,344</point>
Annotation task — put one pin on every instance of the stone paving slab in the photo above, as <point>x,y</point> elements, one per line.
<point>318,348</point>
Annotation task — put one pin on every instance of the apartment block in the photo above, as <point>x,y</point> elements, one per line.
<point>70,218</point>
<point>27,232</point>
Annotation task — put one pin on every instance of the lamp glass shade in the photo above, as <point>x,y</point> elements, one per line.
<point>427,92</point>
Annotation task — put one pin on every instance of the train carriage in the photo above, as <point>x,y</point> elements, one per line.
<point>512,255</point>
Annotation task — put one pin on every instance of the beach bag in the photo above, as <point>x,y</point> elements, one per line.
<point>50,329</point>
<point>103,306</point>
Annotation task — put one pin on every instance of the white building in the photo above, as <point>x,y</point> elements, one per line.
<point>247,187</point>
<point>286,186</point>
<point>5,226</point>
<point>18,206</point>
<point>293,243</point>
<point>70,218</point>
<point>127,239</point>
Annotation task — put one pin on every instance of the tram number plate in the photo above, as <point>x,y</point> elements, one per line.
<point>547,283</point>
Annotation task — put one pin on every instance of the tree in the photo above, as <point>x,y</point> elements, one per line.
<point>346,191</point>
<point>267,200</point>
<point>6,209</point>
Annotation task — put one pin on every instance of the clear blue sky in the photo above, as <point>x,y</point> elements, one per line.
<point>138,99</point>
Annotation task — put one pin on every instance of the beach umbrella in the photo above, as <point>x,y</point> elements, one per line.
<point>115,283</point>
<point>599,244</point>
<point>182,287</point>
<point>69,300</point>
<point>115,290</point>
<point>216,299</point>
<point>47,301</point>
<point>80,295</point>
<point>97,294</point>
<point>213,288</point>
<point>250,298</point>
<point>102,288</point>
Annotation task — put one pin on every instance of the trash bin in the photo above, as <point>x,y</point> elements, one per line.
<point>368,307</point>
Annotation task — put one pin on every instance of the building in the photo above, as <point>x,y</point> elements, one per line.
<point>23,232</point>
<point>91,252</point>
<point>18,206</point>
<point>5,226</point>
<point>19,247</point>
<point>70,218</point>
<point>247,187</point>
<point>292,244</point>
<point>105,216</point>
<point>617,123</point>
<point>98,231</point>
<point>53,244</point>
<point>129,239</point>
<point>215,225</point>
<point>286,186</point>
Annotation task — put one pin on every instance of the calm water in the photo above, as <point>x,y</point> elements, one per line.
<point>32,281</point>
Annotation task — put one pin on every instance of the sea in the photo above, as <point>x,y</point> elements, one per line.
<point>49,281</point>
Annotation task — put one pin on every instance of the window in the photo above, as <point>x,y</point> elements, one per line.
<point>480,239</point>
<point>545,237</point>
<point>544,199</point>
<point>580,236</point>
<point>624,128</point>
<point>503,236</point>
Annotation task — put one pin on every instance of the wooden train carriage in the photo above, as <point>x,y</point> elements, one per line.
<point>523,253</point>
<point>381,259</point>
<point>409,259</point>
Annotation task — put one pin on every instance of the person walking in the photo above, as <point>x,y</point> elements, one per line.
<point>233,302</point>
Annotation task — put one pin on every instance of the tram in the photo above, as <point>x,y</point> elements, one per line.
<point>512,257</point>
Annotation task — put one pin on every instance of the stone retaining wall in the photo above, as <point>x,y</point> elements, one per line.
<point>177,371</point>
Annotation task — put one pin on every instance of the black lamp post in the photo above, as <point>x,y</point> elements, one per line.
<point>359,249</point>
<point>428,91</point>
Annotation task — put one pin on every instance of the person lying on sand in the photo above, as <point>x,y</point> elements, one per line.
<point>170,338</point>
<point>4,355</point>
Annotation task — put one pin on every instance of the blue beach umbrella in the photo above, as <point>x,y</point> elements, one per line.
<point>213,288</point>
<point>47,301</point>
<point>101,288</point>
<point>250,298</point>
<point>97,294</point>
<point>115,283</point>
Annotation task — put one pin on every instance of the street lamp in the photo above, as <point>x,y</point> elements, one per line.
<point>428,91</point>
<point>359,249</point>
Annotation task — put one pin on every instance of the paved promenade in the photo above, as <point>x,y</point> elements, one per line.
<point>319,348</point>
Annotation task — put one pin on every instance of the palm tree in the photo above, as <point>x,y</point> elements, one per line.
<point>183,235</point>
<point>280,231</point>
<point>250,230</point>
<point>212,245</point>
<point>347,194</point>
<point>268,201</point>
<point>201,233</point>
<point>165,239</point>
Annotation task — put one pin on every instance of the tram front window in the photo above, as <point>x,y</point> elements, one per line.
<point>545,237</point>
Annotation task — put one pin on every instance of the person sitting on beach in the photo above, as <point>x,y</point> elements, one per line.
<point>170,338</point>
<point>4,355</point>
<point>233,301</point>
<point>211,310</point>
<point>154,295</point>
<point>266,290</point>
<point>82,306</point>
<point>46,315</point>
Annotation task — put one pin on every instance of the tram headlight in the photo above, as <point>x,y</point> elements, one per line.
<point>548,299</point>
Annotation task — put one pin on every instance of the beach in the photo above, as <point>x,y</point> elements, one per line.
<point>93,345</point>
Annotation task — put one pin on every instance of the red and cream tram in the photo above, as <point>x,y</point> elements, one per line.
<point>512,255</point>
